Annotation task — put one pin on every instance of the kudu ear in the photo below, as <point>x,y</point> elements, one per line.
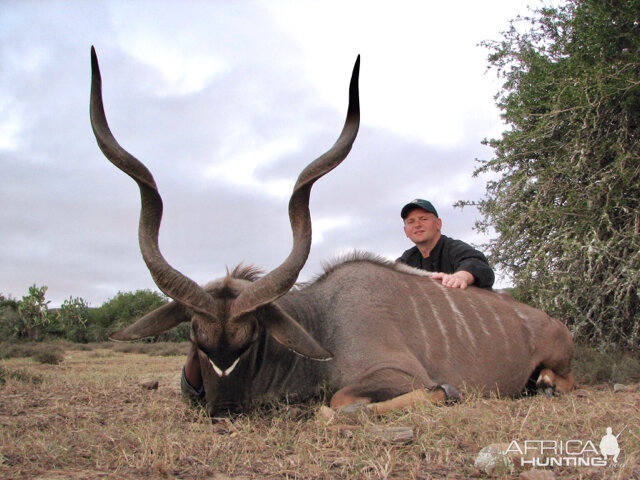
<point>154,323</point>
<point>290,334</point>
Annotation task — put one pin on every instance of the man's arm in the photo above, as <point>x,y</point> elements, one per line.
<point>460,279</point>
<point>481,271</point>
<point>469,265</point>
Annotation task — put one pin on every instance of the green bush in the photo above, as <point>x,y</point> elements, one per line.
<point>15,350</point>
<point>30,319</point>
<point>591,366</point>
<point>27,319</point>
<point>177,334</point>
<point>9,318</point>
<point>120,311</point>
<point>50,356</point>
<point>72,318</point>
<point>564,194</point>
<point>19,375</point>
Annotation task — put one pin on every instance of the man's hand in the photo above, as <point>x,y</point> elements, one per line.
<point>460,279</point>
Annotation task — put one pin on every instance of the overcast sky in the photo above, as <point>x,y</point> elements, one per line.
<point>225,102</point>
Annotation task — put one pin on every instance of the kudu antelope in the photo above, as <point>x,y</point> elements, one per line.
<point>367,330</point>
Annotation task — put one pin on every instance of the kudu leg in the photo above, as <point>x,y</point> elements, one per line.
<point>388,389</point>
<point>192,368</point>
<point>416,397</point>
<point>191,381</point>
<point>550,382</point>
<point>556,348</point>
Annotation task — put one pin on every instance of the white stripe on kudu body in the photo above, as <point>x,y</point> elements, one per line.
<point>460,319</point>
<point>499,324</point>
<point>437,316</point>
<point>418,317</point>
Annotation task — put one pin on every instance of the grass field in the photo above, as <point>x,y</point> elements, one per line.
<point>88,417</point>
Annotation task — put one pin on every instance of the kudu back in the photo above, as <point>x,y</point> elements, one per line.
<point>368,330</point>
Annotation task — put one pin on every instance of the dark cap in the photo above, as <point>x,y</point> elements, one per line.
<point>418,203</point>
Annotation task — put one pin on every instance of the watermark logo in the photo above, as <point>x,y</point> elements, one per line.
<point>567,453</point>
<point>609,445</point>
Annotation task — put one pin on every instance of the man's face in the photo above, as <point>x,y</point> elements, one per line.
<point>422,227</point>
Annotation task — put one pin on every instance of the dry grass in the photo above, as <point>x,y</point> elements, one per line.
<point>89,418</point>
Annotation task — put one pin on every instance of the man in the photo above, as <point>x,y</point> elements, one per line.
<point>457,264</point>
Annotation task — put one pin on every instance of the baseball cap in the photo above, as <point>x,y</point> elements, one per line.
<point>418,203</point>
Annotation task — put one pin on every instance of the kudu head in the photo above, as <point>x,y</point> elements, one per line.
<point>226,315</point>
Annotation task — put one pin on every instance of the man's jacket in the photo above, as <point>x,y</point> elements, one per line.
<point>450,256</point>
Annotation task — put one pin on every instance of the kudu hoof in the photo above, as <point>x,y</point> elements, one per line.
<point>546,386</point>
<point>546,389</point>
<point>452,395</point>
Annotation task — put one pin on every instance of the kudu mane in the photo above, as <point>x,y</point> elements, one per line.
<point>358,256</point>
<point>251,272</point>
<point>226,288</point>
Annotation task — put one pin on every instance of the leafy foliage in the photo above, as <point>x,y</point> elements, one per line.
<point>18,375</point>
<point>564,193</point>
<point>124,309</point>
<point>30,319</point>
<point>53,355</point>
<point>72,319</point>
<point>33,315</point>
<point>9,317</point>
